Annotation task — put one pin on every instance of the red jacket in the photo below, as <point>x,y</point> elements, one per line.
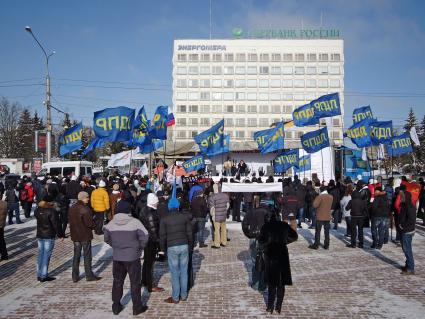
<point>30,191</point>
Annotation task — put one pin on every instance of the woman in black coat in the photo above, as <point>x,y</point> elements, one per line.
<point>274,237</point>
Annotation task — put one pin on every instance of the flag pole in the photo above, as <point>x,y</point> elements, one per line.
<point>321,155</point>
<point>131,157</point>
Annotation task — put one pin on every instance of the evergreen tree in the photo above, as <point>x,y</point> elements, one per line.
<point>421,150</point>
<point>411,121</point>
<point>26,135</point>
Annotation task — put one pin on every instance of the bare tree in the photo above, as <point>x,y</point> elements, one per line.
<point>9,137</point>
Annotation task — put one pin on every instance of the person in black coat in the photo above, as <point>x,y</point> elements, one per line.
<point>379,211</point>
<point>407,220</point>
<point>358,210</point>
<point>274,236</point>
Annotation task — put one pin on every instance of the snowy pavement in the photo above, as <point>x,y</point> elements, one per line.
<point>338,283</point>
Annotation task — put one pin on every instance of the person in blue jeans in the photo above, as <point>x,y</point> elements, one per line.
<point>47,231</point>
<point>176,237</point>
<point>407,221</point>
<point>379,211</point>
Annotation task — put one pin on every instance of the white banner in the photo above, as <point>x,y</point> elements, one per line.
<point>121,159</point>
<point>414,136</point>
<point>251,187</point>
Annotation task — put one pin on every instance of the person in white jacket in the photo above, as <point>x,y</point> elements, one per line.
<point>344,202</point>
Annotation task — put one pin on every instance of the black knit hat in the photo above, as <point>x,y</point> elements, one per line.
<point>123,207</point>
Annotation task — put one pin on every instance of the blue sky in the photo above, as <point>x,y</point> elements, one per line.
<point>128,46</point>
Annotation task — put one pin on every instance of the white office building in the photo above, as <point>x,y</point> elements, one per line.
<point>252,83</point>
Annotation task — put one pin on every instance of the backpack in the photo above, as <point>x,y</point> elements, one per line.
<point>23,195</point>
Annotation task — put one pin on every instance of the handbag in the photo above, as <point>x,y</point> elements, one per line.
<point>259,261</point>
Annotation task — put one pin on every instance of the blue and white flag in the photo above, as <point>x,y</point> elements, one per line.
<point>285,161</point>
<point>150,146</point>
<point>96,142</point>
<point>401,144</point>
<point>158,128</point>
<point>212,141</point>
<point>71,140</point>
<point>381,132</point>
<point>271,139</point>
<point>114,124</point>
<point>315,141</point>
<point>359,133</point>
<point>304,164</point>
<point>362,113</point>
<point>194,164</point>
<point>325,106</point>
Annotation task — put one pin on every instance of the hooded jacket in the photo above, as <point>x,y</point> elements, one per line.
<point>379,206</point>
<point>127,237</point>
<point>357,205</point>
<point>47,221</point>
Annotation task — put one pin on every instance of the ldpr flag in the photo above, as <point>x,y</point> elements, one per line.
<point>325,106</point>
<point>362,113</point>
<point>158,128</point>
<point>401,144</point>
<point>71,139</point>
<point>212,142</point>
<point>194,164</point>
<point>285,161</point>
<point>114,124</point>
<point>359,133</point>
<point>313,142</point>
<point>270,140</point>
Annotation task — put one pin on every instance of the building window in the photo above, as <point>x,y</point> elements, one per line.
<point>240,134</point>
<point>239,96</point>
<point>193,121</point>
<point>193,133</point>
<point>252,122</point>
<point>322,70</point>
<point>205,70</point>
<point>334,83</point>
<point>228,122</point>
<point>228,83</point>
<point>205,121</point>
<point>264,70</point>
<point>299,57</point>
<point>299,70</point>
<point>216,83</point>
<point>217,109</point>
<point>251,70</point>
<point>287,134</point>
<point>181,83</point>
<point>264,109</point>
<point>322,84</point>
<point>228,57</point>
<point>263,122</point>
<point>193,58</point>
<point>240,70</point>
<point>193,96</point>
<point>228,96</point>
<point>311,70</point>
<point>251,96</point>
<point>181,57</point>
<point>181,70</point>
<point>240,83</point>
<point>287,83</point>
<point>275,83</point>
<point>240,57</point>
<point>287,109</point>
<point>336,135</point>
<point>310,83</point>
<point>276,109</point>
<point>263,96</point>
<point>263,83</point>
<point>217,57</point>
<point>275,70</point>
<point>287,97</point>
<point>193,83</point>
<point>336,121</point>
<point>334,70</point>
<point>252,108</point>
<point>181,108</point>
<point>335,57</point>
<point>240,108</point>
<point>181,134</point>
<point>181,121</point>
<point>193,70</point>
<point>205,57</point>
<point>276,57</point>
<point>264,57</point>
<point>181,95</point>
<point>216,96</point>
<point>286,70</point>
<point>228,70</point>
<point>287,57</point>
<point>275,96</point>
<point>312,57</point>
<point>251,83</point>
<point>205,83</point>
<point>205,109</point>
<point>216,70</point>
<point>299,97</point>
<point>323,57</point>
<point>252,57</point>
<point>193,108</point>
<point>240,122</point>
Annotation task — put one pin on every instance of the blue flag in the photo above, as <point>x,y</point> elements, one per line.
<point>94,143</point>
<point>212,142</point>
<point>158,128</point>
<point>359,133</point>
<point>270,140</point>
<point>150,146</point>
<point>114,124</point>
<point>315,141</point>
<point>194,164</point>
<point>140,129</point>
<point>325,106</point>
<point>362,113</point>
<point>381,132</point>
<point>401,144</point>
<point>285,161</point>
<point>71,139</point>
<point>304,164</point>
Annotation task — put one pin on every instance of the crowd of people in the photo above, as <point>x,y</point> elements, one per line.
<point>141,216</point>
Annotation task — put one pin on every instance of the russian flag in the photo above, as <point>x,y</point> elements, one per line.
<point>170,120</point>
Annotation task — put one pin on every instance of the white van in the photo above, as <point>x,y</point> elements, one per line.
<point>66,168</point>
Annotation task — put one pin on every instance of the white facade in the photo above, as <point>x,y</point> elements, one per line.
<point>252,83</point>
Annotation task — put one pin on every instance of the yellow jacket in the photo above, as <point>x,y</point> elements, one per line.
<point>99,200</point>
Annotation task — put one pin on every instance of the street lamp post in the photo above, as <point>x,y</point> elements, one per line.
<point>48,95</point>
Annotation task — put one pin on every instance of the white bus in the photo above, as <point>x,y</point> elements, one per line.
<point>66,168</point>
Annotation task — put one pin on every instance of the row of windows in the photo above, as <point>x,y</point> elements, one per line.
<point>253,96</point>
<point>250,134</point>
<point>277,109</point>
<point>254,83</point>
<point>254,70</point>
<point>239,122</point>
<point>262,57</point>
